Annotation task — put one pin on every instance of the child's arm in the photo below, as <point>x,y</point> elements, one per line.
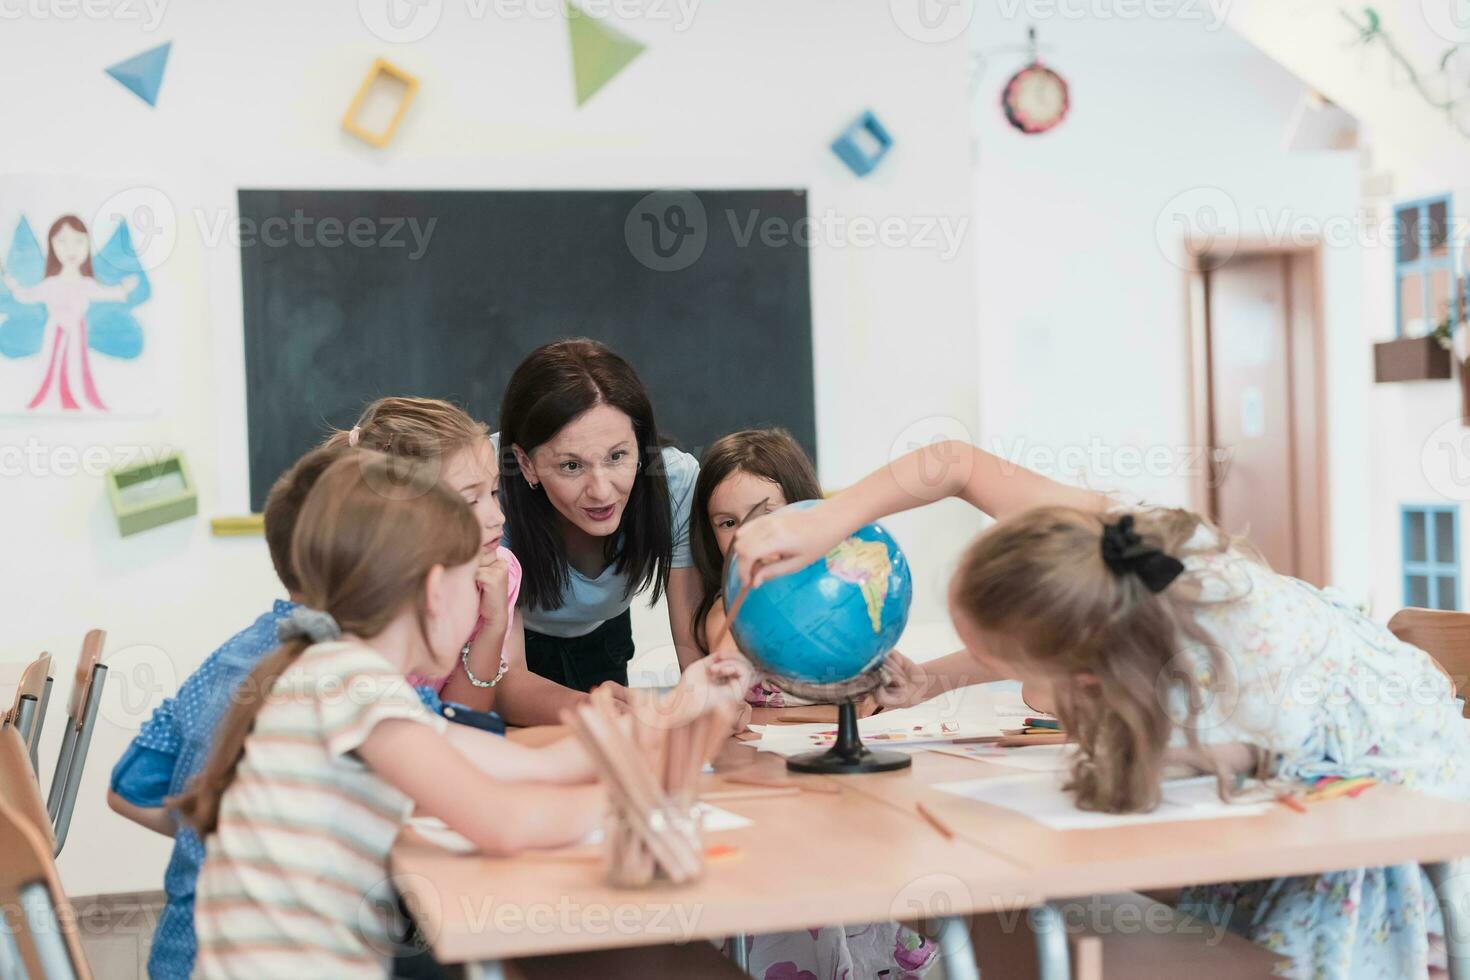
<point>500,817</point>
<point>526,698</point>
<point>791,540</point>
<point>493,579</point>
<point>683,595</point>
<point>154,818</point>
<point>906,683</point>
<point>562,761</point>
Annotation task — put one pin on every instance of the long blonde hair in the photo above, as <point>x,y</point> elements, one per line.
<point>425,429</point>
<point>1039,591</point>
<point>364,545</point>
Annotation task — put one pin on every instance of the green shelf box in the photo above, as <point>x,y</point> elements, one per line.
<point>151,494</point>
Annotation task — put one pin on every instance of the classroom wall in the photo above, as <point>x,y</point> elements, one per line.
<point>1082,304</point>
<point>746,93</point>
<point>1411,431</point>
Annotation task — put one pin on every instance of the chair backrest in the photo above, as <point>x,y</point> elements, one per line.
<point>32,682</point>
<point>82,680</point>
<point>18,788</point>
<point>1443,635</point>
<point>81,718</point>
<point>27,714</point>
<point>40,928</point>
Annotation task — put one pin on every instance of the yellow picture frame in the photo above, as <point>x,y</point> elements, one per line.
<point>380,67</point>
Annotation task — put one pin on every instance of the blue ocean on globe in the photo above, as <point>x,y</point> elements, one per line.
<point>834,619</point>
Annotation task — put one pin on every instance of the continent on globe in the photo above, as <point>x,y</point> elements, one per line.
<point>866,565</point>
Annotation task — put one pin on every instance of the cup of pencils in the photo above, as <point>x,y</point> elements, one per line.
<point>650,759</point>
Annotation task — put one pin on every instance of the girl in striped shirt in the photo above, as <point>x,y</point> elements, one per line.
<point>328,750</point>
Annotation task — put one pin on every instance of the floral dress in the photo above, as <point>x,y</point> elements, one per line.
<point>1326,691</point>
<point>865,952</point>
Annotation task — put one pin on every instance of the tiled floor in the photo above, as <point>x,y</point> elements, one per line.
<point>117,931</point>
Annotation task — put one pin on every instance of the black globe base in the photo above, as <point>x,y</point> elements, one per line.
<point>848,755</point>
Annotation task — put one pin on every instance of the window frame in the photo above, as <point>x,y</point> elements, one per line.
<point>1425,264</point>
<point>1432,568</point>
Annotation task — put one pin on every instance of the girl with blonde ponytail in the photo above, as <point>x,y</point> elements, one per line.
<point>327,749</point>
<point>1162,642</point>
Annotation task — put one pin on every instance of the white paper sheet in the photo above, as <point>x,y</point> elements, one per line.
<point>438,833</point>
<point>1040,797</point>
<point>1032,758</point>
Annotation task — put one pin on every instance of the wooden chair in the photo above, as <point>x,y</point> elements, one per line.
<point>38,935</point>
<point>1125,936</point>
<point>28,713</point>
<point>1443,635</point>
<point>81,719</point>
<point>18,788</point>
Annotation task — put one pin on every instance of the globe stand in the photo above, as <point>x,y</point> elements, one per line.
<point>848,755</point>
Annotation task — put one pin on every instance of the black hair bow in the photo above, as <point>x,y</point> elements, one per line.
<point>1125,553</point>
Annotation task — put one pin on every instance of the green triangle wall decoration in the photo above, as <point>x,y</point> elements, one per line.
<point>599,52</point>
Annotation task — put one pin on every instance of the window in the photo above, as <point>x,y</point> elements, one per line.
<point>1432,557</point>
<point>1423,267</point>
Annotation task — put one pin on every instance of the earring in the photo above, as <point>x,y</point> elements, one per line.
<point>535,486</point>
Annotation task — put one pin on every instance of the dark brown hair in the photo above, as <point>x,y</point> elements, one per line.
<point>53,264</point>
<point>770,454</point>
<point>552,386</point>
<point>283,507</point>
<point>364,545</point>
<point>1039,592</point>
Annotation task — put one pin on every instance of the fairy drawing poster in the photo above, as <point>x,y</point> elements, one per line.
<point>76,336</point>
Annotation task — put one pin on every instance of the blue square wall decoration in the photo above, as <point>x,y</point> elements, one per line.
<point>863,144</point>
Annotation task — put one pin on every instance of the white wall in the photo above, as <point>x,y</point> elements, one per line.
<point>1082,293</point>
<point>1419,451</point>
<point>748,95</point>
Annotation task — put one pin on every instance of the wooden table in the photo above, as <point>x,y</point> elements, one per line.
<point>865,854</point>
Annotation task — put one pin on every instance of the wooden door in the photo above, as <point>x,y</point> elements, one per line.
<point>1260,329</point>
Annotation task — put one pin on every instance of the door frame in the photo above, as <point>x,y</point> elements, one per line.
<point>1306,350</point>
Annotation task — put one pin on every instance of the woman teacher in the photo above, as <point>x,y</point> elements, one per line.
<point>597,511</point>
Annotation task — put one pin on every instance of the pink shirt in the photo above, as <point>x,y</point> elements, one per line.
<point>513,591</point>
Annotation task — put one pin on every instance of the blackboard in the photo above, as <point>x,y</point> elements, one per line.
<point>350,295</point>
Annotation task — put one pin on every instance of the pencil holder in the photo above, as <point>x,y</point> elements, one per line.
<point>666,848</point>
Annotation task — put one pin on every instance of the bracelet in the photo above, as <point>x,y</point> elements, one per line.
<point>464,659</point>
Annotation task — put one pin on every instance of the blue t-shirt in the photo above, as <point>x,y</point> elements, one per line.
<point>170,748</point>
<point>590,602</point>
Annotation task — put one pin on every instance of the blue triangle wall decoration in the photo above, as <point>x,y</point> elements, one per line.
<point>143,74</point>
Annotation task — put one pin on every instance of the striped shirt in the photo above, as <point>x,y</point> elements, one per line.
<point>295,878</point>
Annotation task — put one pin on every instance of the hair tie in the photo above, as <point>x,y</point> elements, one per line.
<point>1126,554</point>
<point>355,436</point>
<point>312,625</point>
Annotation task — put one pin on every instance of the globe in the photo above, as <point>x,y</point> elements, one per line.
<point>829,623</point>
